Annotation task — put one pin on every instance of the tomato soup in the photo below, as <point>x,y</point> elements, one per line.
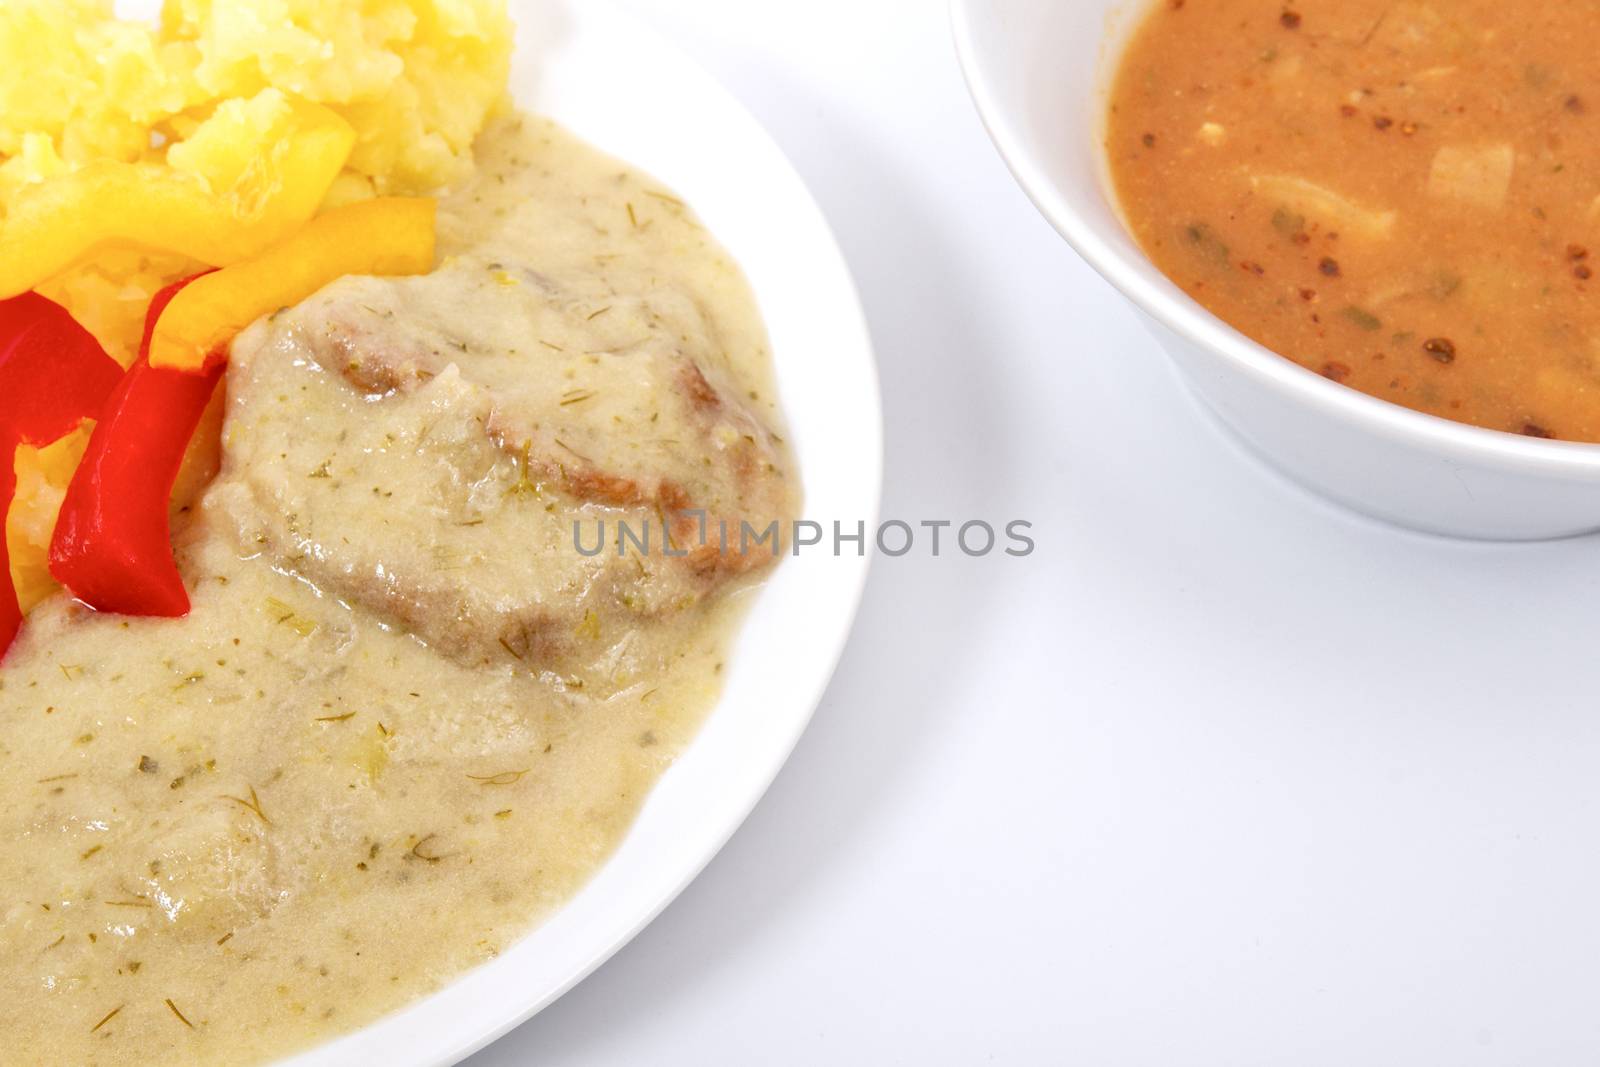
<point>1401,196</point>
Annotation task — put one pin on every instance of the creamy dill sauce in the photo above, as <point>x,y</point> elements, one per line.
<point>405,719</point>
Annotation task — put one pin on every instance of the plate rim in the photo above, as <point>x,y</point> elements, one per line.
<point>389,1035</point>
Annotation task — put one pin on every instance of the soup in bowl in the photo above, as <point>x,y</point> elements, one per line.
<point>1359,229</point>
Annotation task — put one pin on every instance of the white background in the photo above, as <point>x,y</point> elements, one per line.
<point>1221,775</point>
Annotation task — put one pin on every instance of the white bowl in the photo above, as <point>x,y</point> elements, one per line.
<point>1039,71</point>
<point>623,88</point>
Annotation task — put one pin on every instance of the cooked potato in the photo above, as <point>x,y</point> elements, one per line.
<point>415,77</point>
<point>209,93</point>
<point>1324,205</point>
<point>42,477</point>
<point>1476,175</point>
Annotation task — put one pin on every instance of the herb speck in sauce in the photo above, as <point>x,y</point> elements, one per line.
<point>1441,349</point>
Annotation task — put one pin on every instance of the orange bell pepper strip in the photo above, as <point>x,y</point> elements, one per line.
<point>386,236</point>
<point>54,225</point>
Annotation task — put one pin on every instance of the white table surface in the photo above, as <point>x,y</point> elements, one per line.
<point>1220,775</point>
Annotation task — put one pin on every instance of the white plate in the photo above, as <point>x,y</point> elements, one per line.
<point>622,88</point>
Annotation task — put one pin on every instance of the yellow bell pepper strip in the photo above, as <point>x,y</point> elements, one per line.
<point>54,225</point>
<point>386,236</point>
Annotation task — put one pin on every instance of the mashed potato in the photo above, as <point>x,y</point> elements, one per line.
<point>415,77</point>
<point>206,93</point>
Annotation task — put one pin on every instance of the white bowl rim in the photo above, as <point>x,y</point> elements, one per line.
<point>1180,313</point>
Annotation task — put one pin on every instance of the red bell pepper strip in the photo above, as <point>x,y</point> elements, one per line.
<point>10,610</point>
<point>53,375</point>
<point>113,542</point>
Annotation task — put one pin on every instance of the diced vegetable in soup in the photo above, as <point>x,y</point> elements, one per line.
<point>1399,196</point>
